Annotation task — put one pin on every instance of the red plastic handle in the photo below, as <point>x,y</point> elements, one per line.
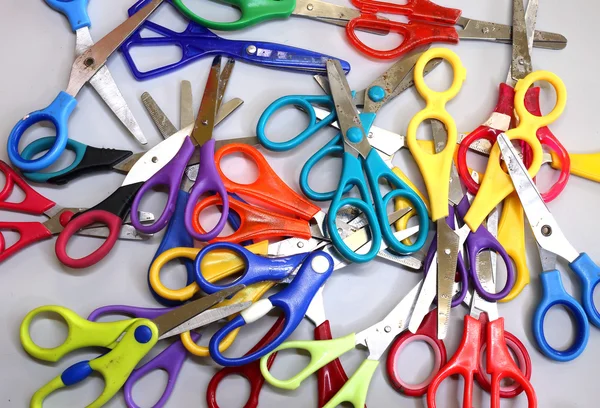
<point>504,106</point>
<point>29,232</point>
<point>501,365</point>
<point>428,333</point>
<point>268,189</point>
<point>332,377</point>
<point>547,138</point>
<point>33,203</point>
<point>81,221</point>
<point>250,372</point>
<point>414,35</point>
<point>255,223</point>
<point>416,10</point>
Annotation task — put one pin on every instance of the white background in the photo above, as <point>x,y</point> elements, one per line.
<point>37,46</point>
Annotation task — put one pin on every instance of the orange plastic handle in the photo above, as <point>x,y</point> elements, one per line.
<point>268,189</point>
<point>255,223</point>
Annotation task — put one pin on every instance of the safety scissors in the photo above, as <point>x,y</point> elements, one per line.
<point>552,244</point>
<point>85,66</point>
<point>102,81</point>
<point>485,328</point>
<point>429,22</point>
<point>197,41</point>
<point>128,340</point>
<point>37,204</point>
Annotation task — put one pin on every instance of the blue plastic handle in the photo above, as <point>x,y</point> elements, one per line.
<point>304,102</point>
<point>589,275</point>
<point>58,113</point>
<point>257,268</point>
<point>75,10</point>
<point>175,236</point>
<point>45,143</point>
<point>293,301</point>
<point>554,294</point>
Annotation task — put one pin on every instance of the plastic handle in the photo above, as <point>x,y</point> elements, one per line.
<point>322,352</point>
<point>255,222</point>
<point>131,311</point>
<point>414,35</point>
<point>74,10</point>
<point>29,233</point>
<point>268,188</point>
<point>88,159</point>
<point>497,184</point>
<point>415,10</point>
<point>252,12</point>
<point>33,203</point>
<point>256,268</point>
<point>250,372</point>
<point>400,203</point>
<point>511,235</point>
<point>82,333</point>
<point>57,113</point>
<point>427,333</point>
<point>293,301</point>
<point>170,360</point>
<point>589,275</point>
<point>304,102</point>
<point>208,181</point>
<point>169,176</point>
<point>582,164</point>
<point>436,167</point>
<point>352,175</point>
<point>554,294</point>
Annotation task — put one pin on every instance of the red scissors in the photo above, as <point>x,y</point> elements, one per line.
<point>500,120</point>
<point>58,217</point>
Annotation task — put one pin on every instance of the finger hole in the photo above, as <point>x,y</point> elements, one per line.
<point>375,35</point>
<point>84,392</point>
<point>239,167</point>
<point>556,319</point>
<point>148,390</point>
<point>509,388</point>
<point>10,192</point>
<point>48,330</point>
<point>443,78</point>
<point>222,266</point>
<point>209,213</point>
<point>289,363</point>
<point>411,354</point>
<point>287,122</point>
<point>147,59</point>
<point>240,397</point>
<point>40,147</point>
<point>324,173</point>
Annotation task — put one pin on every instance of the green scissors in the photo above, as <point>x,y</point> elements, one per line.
<point>128,340</point>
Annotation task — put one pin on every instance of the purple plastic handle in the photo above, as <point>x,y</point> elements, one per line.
<point>133,311</point>
<point>208,180</point>
<point>460,267</point>
<point>169,360</point>
<point>170,176</point>
<point>482,240</point>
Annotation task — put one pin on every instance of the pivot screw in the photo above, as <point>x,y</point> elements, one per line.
<point>387,329</point>
<point>155,159</point>
<point>546,230</point>
<point>309,7</point>
<point>251,49</point>
<point>89,62</point>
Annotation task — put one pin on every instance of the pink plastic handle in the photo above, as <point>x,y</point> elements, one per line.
<point>30,232</point>
<point>79,222</point>
<point>33,203</point>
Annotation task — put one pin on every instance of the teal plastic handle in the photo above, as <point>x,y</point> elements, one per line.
<point>45,143</point>
<point>589,275</point>
<point>252,12</point>
<point>305,103</point>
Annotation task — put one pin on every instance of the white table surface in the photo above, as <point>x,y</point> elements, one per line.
<point>38,48</point>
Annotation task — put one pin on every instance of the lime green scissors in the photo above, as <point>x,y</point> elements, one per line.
<point>129,340</point>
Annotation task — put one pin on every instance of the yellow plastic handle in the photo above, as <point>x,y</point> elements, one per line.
<point>82,333</point>
<point>401,203</point>
<point>511,234</point>
<point>435,168</point>
<point>497,184</point>
<point>586,165</point>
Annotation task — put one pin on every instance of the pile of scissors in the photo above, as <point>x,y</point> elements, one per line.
<point>283,249</point>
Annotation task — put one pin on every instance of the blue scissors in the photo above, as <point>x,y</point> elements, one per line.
<point>358,156</point>
<point>197,42</point>
<point>552,244</point>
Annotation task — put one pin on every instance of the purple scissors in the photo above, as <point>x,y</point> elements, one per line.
<point>169,360</point>
<point>172,173</point>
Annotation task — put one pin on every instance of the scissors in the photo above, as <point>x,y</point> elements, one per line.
<point>485,328</point>
<point>102,81</point>
<point>84,68</point>
<point>197,42</point>
<point>37,204</point>
<point>552,244</point>
<point>128,340</point>
<point>429,22</point>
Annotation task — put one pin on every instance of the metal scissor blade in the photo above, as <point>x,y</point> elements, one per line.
<point>171,320</point>
<point>426,297</point>
<point>545,228</point>
<point>448,246</point>
<point>521,58</point>
<point>186,104</point>
<point>158,116</point>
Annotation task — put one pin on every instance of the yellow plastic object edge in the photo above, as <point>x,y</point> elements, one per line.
<point>435,168</point>
<point>511,234</point>
<point>401,203</point>
<point>586,165</point>
<point>497,184</point>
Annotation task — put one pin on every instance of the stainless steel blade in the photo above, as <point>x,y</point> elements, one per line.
<point>160,119</point>
<point>186,105</point>
<point>447,256</point>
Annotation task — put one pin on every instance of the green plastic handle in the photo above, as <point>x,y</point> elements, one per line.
<point>322,352</point>
<point>114,366</point>
<point>82,333</point>
<point>356,388</point>
<point>253,12</point>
